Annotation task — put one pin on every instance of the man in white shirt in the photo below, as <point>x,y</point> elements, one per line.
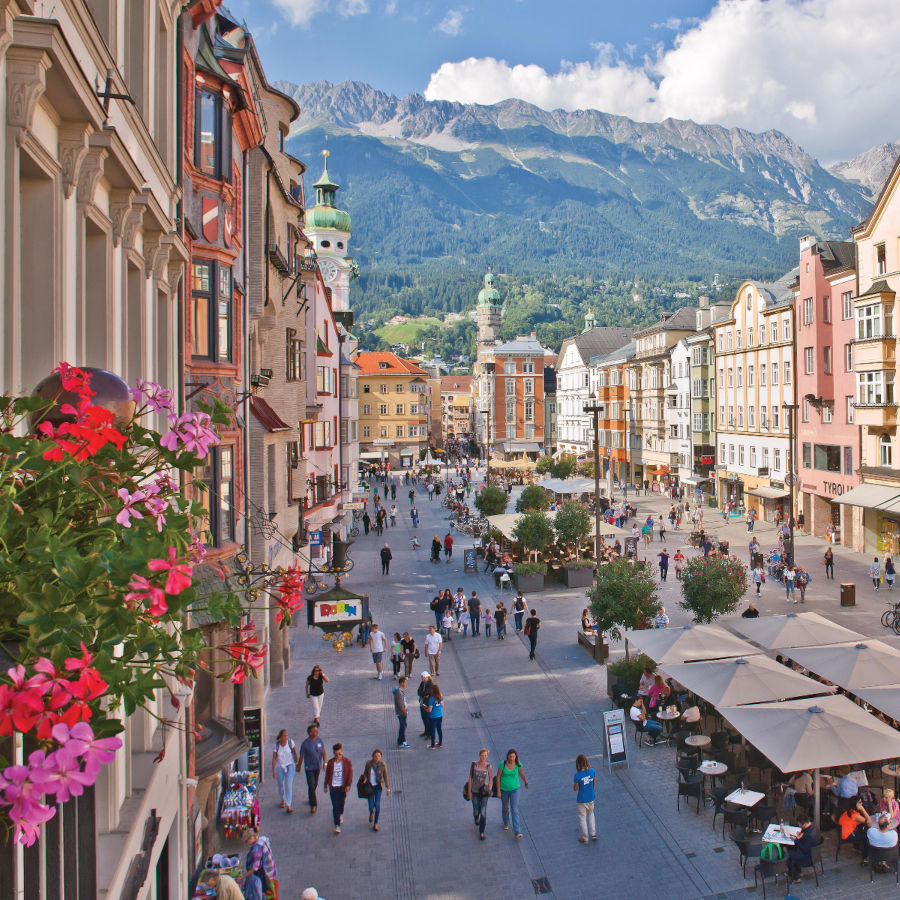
<point>433,642</point>
<point>880,835</point>
<point>377,645</point>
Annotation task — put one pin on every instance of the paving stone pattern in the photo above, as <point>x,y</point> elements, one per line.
<point>549,710</point>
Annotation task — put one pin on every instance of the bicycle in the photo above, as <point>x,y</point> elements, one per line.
<point>890,618</point>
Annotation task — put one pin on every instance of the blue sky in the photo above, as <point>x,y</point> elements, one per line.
<point>821,71</point>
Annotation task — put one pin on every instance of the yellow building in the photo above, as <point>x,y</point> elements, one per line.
<point>394,414</point>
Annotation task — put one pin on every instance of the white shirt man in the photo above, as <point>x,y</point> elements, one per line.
<point>433,643</point>
<point>377,645</point>
<point>882,835</point>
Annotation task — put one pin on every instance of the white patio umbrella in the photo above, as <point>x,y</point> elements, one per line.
<point>885,698</point>
<point>806,629</point>
<point>612,531</point>
<point>815,733</point>
<point>505,523</point>
<point>752,679</point>
<point>690,642</point>
<point>862,664</point>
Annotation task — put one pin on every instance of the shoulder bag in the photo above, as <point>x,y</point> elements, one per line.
<point>364,788</point>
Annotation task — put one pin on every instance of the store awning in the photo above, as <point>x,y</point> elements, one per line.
<point>370,454</point>
<point>768,493</point>
<point>520,446</point>
<point>505,523</point>
<point>406,452</point>
<point>568,486</point>
<point>870,496</point>
<point>696,479</point>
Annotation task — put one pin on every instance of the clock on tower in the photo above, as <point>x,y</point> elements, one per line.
<point>329,269</point>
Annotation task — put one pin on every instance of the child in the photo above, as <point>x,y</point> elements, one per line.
<point>464,620</point>
<point>488,619</point>
<point>447,624</point>
<point>415,542</point>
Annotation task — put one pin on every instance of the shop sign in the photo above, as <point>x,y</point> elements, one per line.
<point>833,488</point>
<point>329,613</point>
<point>315,539</point>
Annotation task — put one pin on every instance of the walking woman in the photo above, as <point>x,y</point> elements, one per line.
<point>508,776</point>
<point>435,549</point>
<point>315,691</point>
<point>284,766</point>
<point>519,610</point>
<point>376,774</point>
<point>436,715</point>
<point>875,573</point>
<point>829,564</point>
<point>585,784</point>
<point>409,653</point>
<point>480,781</point>
<point>889,572</point>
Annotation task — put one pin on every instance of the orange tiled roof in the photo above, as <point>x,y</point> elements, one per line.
<point>456,383</point>
<point>370,364</point>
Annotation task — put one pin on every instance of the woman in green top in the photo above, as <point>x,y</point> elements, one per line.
<point>509,774</point>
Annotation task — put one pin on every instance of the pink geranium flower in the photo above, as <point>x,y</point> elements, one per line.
<point>180,574</point>
<point>81,741</point>
<point>143,592</point>
<point>128,510</point>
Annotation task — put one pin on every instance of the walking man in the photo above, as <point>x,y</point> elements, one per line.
<point>475,613</point>
<point>414,515</point>
<point>448,546</point>
<point>433,642</point>
<point>423,692</point>
<point>663,564</point>
<point>399,693</point>
<point>386,557</point>
<point>532,626</point>
<point>377,646</point>
<point>312,752</point>
<point>338,779</point>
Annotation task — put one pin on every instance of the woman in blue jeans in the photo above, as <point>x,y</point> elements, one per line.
<point>480,782</point>
<point>284,767</point>
<point>375,773</point>
<point>436,716</point>
<point>509,774</point>
<point>642,723</point>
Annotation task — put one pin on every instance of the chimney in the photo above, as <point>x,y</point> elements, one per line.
<point>807,241</point>
<point>704,301</point>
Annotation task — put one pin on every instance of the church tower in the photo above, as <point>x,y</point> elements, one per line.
<point>590,320</point>
<point>489,310</point>
<point>329,230</point>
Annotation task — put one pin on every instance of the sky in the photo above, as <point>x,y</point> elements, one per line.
<point>825,72</point>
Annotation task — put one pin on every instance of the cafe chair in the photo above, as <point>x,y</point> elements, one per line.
<point>886,855</point>
<point>816,856</point>
<point>762,814</point>
<point>688,790</point>
<point>718,795</point>
<point>842,843</point>
<point>766,868</point>
<point>747,849</point>
<point>734,815</point>
<point>505,581</point>
<point>719,740</point>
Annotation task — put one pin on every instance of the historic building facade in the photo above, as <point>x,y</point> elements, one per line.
<point>457,407</point>
<point>615,423</point>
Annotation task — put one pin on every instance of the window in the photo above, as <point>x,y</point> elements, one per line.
<point>749,301</point>
<point>848,357</point>
<point>806,409</point>
<point>753,457</point>
<point>762,374</point>
<point>885,452</point>
<point>741,455</point>
<point>730,377</point>
<point>382,388</point>
<point>875,388</point>
<point>850,408</point>
<point>827,415</point>
<point>383,431</point>
<point>367,409</point>
<point>762,334</point>
<point>826,308</point>
<point>776,417</point>
<point>211,311</point>
<point>382,409</point>
<point>398,409</point>
<point>774,330</point>
<point>764,417</point>
<point>719,339</point>
<point>367,388</point>
<point>722,453</point>
<point>323,379</point>
<point>510,388</point>
<point>740,417</point>
<point>765,457</point>
<point>528,368</point>
<point>848,460</point>
<point>776,460</point>
<point>399,431</point>
<point>826,360</point>
<point>847,305</point>
<point>323,435</point>
<point>787,371</point>
<point>868,321</point>
<point>750,371</point>
<point>398,389</point>
<point>880,259</point>
<point>510,411</point>
<point>774,373</point>
<point>807,456</point>
<point>217,474</point>
<point>529,410</point>
<point>293,351</point>
<point>738,339</point>
<point>750,337</point>
<point>740,376</point>
<point>808,310</point>
<point>809,360</point>
<point>509,368</point>
<point>722,414</point>
<point>751,416</point>
<point>727,340</point>
<point>365,431</point>
<point>826,458</point>
<point>212,135</point>
<point>731,454</point>
<point>786,329</point>
<point>529,386</point>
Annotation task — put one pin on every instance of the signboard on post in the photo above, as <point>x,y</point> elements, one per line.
<point>470,563</point>
<point>315,539</point>
<point>354,504</point>
<point>253,733</point>
<point>614,733</point>
<point>631,547</point>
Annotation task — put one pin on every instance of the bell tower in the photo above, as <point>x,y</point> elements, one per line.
<point>490,316</point>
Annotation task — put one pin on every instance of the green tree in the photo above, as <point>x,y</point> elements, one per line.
<point>572,524</point>
<point>533,497</point>
<point>564,467</point>
<point>585,468</point>
<point>544,465</point>
<point>534,531</point>
<point>712,586</point>
<point>623,596</point>
<point>491,501</point>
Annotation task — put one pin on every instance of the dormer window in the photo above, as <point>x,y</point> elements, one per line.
<point>383,365</point>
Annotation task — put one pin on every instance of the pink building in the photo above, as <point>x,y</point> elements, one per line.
<point>827,440</point>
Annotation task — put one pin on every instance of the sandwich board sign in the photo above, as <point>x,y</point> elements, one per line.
<point>614,733</point>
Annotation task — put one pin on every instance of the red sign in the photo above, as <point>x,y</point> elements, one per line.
<point>209,208</point>
<point>706,460</point>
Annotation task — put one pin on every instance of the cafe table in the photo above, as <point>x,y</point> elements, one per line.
<point>698,740</point>
<point>712,769</point>
<point>781,834</point>
<point>744,798</point>
<point>668,717</point>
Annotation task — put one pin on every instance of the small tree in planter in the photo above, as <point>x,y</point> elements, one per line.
<point>623,597</point>
<point>491,501</point>
<point>533,497</point>
<point>712,586</point>
<point>534,532</point>
<point>544,465</point>
<point>572,524</point>
<point>564,467</point>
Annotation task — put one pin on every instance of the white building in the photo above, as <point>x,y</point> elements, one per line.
<point>678,412</point>
<point>575,385</point>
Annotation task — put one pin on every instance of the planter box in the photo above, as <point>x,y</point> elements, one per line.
<point>526,583</point>
<point>575,578</point>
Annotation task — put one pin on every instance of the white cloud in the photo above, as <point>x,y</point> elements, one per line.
<point>390,7</point>
<point>302,12</point>
<point>451,24</point>
<point>826,72</point>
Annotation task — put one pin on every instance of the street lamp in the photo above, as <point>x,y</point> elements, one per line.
<point>596,409</point>
<point>790,408</point>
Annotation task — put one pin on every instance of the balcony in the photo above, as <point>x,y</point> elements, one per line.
<point>874,354</point>
<point>277,258</point>
<point>876,415</point>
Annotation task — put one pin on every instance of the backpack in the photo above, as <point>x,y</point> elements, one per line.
<point>772,852</point>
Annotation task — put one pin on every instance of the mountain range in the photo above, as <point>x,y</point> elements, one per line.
<point>444,187</point>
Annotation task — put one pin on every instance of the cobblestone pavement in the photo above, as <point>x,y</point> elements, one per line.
<point>549,710</point>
